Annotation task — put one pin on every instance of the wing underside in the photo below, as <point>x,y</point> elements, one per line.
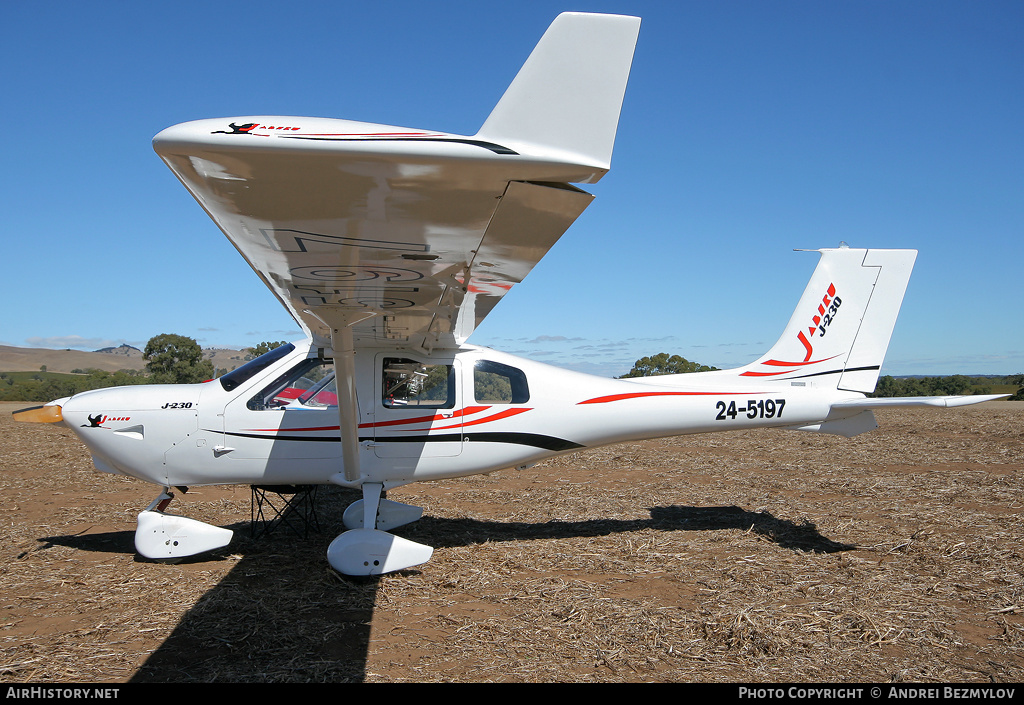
<point>410,237</point>
<point>425,258</point>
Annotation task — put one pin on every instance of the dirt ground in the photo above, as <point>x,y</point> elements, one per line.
<point>766,556</point>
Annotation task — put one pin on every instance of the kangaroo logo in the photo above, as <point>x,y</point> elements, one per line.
<point>237,129</point>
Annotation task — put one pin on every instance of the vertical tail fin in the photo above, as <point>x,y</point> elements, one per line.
<point>566,98</point>
<point>841,328</point>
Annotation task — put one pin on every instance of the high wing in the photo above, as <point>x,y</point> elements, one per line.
<point>408,238</point>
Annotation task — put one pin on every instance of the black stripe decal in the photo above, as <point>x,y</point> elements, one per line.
<point>282,437</point>
<point>527,439</point>
<point>496,148</point>
<point>832,372</point>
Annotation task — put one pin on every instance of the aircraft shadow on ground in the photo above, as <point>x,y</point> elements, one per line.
<point>281,614</point>
<point>802,536</point>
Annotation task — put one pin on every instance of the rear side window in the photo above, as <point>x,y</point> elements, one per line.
<point>415,385</point>
<point>495,383</point>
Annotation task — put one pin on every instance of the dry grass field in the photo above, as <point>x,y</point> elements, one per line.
<point>30,359</point>
<point>759,556</point>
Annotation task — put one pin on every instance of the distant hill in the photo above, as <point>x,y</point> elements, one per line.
<point>122,349</point>
<point>226,359</point>
<point>124,357</point>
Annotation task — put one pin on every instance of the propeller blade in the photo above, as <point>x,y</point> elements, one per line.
<point>39,414</point>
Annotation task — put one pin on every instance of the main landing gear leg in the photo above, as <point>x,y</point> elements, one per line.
<point>389,515</point>
<point>365,549</point>
<point>161,536</point>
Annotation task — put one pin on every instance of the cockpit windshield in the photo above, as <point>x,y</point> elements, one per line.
<point>239,375</point>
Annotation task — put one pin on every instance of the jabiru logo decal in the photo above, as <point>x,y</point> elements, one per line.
<point>827,310</point>
<point>820,320</point>
<point>247,129</point>
<point>98,420</point>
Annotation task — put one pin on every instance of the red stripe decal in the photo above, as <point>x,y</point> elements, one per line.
<point>637,395</point>
<point>782,363</point>
<point>426,419</point>
<point>503,415</point>
<point>396,422</point>
<point>494,417</point>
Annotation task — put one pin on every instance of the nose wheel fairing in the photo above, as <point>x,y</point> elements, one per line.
<point>161,536</point>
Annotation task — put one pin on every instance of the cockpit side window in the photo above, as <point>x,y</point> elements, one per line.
<point>495,383</point>
<point>416,385</point>
<point>308,385</point>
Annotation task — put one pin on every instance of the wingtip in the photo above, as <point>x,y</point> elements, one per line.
<point>565,101</point>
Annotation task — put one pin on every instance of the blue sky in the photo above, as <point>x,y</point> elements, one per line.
<point>749,129</point>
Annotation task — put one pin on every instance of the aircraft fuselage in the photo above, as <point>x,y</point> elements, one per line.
<point>486,411</point>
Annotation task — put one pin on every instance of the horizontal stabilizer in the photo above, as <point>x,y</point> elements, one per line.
<point>864,421</point>
<point>948,401</point>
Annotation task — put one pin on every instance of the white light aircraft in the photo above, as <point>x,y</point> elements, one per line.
<point>388,246</point>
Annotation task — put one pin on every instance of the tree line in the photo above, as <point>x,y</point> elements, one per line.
<point>170,359</point>
<point>950,385</point>
<point>888,386</point>
<point>177,359</point>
